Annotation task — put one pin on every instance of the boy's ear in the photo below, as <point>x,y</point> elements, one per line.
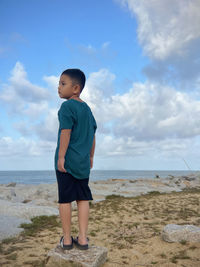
<point>78,88</point>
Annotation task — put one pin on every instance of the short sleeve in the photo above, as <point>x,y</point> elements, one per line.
<point>66,117</point>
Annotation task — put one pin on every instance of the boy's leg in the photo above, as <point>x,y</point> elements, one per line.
<point>83,214</point>
<point>65,216</point>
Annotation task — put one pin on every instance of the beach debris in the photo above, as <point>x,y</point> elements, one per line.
<point>92,257</point>
<point>179,233</point>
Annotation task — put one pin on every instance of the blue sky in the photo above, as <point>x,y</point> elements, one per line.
<point>140,60</point>
<point>47,35</point>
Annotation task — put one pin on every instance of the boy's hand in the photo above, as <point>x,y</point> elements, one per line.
<point>60,164</point>
<point>91,162</point>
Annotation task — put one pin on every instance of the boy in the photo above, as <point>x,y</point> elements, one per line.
<point>74,156</point>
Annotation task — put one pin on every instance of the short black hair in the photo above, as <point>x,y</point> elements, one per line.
<point>77,76</point>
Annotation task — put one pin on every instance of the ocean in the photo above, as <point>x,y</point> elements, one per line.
<point>49,177</point>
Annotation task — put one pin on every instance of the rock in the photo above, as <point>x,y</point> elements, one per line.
<point>25,210</point>
<point>92,257</point>
<point>178,233</point>
<point>26,200</point>
<point>10,226</point>
<point>189,178</point>
<point>11,184</point>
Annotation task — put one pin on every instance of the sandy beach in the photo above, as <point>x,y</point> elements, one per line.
<point>129,226</point>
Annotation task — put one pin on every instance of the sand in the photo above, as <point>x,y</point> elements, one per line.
<point>130,227</point>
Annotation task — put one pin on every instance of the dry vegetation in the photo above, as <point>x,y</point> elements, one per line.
<point>129,227</point>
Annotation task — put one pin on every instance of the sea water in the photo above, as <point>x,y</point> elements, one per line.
<point>48,176</point>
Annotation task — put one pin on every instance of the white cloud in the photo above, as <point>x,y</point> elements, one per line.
<point>115,147</point>
<point>35,110</point>
<point>48,128</point>
<point>52,82</point>
<point>99,87</point>
<point>22,147</point>
<point>45,130</point>
<point>169,33</point>
<point>165,27</point>
<point>24,99</point>
<point>148,119</point>
<point>147,111</point>
<point>21,95</point>
<point>23,88</point>
<point>150,111</point>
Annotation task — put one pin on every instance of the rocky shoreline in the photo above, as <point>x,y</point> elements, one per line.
<point>20,202</point>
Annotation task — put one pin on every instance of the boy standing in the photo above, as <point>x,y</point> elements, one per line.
<point>74,156</point>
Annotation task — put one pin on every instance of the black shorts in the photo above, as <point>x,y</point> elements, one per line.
<point>71,188</point>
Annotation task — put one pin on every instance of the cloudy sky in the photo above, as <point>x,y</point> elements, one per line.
<point>142,63</point>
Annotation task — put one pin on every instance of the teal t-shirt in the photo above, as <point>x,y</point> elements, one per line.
<point>77,116</point>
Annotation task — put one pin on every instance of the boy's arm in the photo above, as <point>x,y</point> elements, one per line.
<point>93,148</point>
<point>64,142</point>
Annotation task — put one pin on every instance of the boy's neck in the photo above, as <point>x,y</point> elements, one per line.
<point>75,97</point>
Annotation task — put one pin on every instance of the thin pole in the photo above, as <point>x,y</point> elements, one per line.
<point>186,164</point>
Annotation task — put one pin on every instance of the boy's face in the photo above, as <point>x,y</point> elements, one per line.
<point>66,88</point>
